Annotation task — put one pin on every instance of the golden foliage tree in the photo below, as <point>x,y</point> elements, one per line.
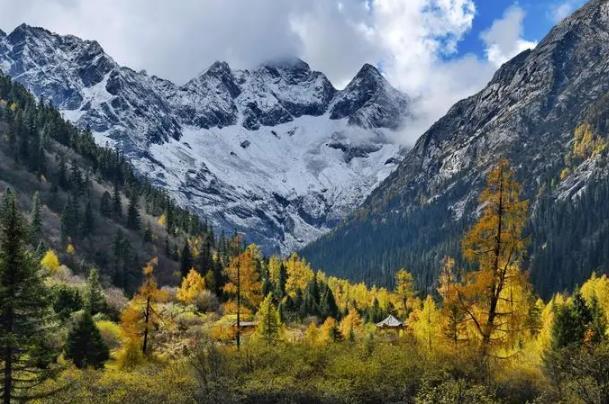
<point>492,296</point>
<point>454,327</point>
<point>140,318</point>
<point>299,274</point>
<point>426,324</point>
<point>404,288</point>
<point>50,261</point>
<point>192,285</point>
<point>243,273</point>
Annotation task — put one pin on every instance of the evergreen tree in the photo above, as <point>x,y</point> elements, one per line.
<point>66,300</point>
<point>375,313</point>
<point>186,262</point>
<point>94,295</point>
<point>281,282</point>
<point>88,223</point>
<point>269,322</point>
<point>76,180</point>
<point>85,346</point>
<point>105,204</point>
<point>327,305</point>
<point>133,216</point>
<point>25,306</point>
<point>36,222</point>
<point>70,219</point>
<point>148,233</point>
<point>62,176</point>
<point>570,323</point>
<point>117,206</point>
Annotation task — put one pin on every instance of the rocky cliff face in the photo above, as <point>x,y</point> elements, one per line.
<point>531,113</point>
<point>275,151</point>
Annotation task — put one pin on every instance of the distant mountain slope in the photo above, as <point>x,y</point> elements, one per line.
<point>547,111</point>
<point>275,152</point>
<point>94,211</point>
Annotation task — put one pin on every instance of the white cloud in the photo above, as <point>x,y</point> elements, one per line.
<point>414,41</point>
<point>564,9</point>
<point>504,38</point>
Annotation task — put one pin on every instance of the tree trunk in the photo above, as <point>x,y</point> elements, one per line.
<point>146,320</point>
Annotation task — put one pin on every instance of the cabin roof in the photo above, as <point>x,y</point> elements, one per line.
<point>390,322</point>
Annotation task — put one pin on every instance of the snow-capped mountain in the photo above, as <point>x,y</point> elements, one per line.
<point>275,152</point>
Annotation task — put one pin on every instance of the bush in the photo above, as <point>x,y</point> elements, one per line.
<point>207,301</point>
<point>110,333</point>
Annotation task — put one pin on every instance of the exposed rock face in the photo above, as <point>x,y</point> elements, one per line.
<point>528,113</point>
<point>276,151</point>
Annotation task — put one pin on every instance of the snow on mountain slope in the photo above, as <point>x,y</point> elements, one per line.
<point>275,152</point>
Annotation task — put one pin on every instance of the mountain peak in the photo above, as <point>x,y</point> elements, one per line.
<point>286,63</point>
<point>370,101</point>
<point>217,67</point>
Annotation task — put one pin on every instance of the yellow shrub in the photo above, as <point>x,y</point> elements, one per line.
<point>110,333</point>
<point>50,261</point>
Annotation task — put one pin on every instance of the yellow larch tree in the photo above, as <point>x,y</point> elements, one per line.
<point>243,274</point>
<point>192,285</point>
<point>299,274</point>
<point>495,247</point>
<point>404,289</point>
<point>426,324</point>
<point>140,319</point>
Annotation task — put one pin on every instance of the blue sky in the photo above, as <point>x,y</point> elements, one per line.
<point>540,17</point>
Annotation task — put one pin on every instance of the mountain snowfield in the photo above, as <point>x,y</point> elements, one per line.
<point>275,152</point>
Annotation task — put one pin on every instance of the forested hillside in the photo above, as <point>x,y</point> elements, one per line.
<point>87,204</point>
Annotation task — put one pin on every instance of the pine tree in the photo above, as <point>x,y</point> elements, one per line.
<point>36,221</point>
<point>105,204</point>
<point>133,216</point>
<point>282,278</point>
<point>186,262</point>
<point>148,233</point>
<point>85,346</point>
<point>88,223</point>
<point>70,219</point>
<point>327,305</point>
<point>117,206</point>
<point>94,295</point>
<point>62,174</point>
<point>25,306</point>
<point>269,323</point>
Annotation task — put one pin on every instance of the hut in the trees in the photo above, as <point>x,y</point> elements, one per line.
<point>391,323</point>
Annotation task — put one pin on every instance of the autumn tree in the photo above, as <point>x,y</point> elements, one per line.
<point>25,307</point>
<point>491,296</point>
<point>427,326</point>
<point>141,318</point>
<point>192,285</point>
<point>243,275</point>
<point>404,289</point>
<point>454,320</point>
